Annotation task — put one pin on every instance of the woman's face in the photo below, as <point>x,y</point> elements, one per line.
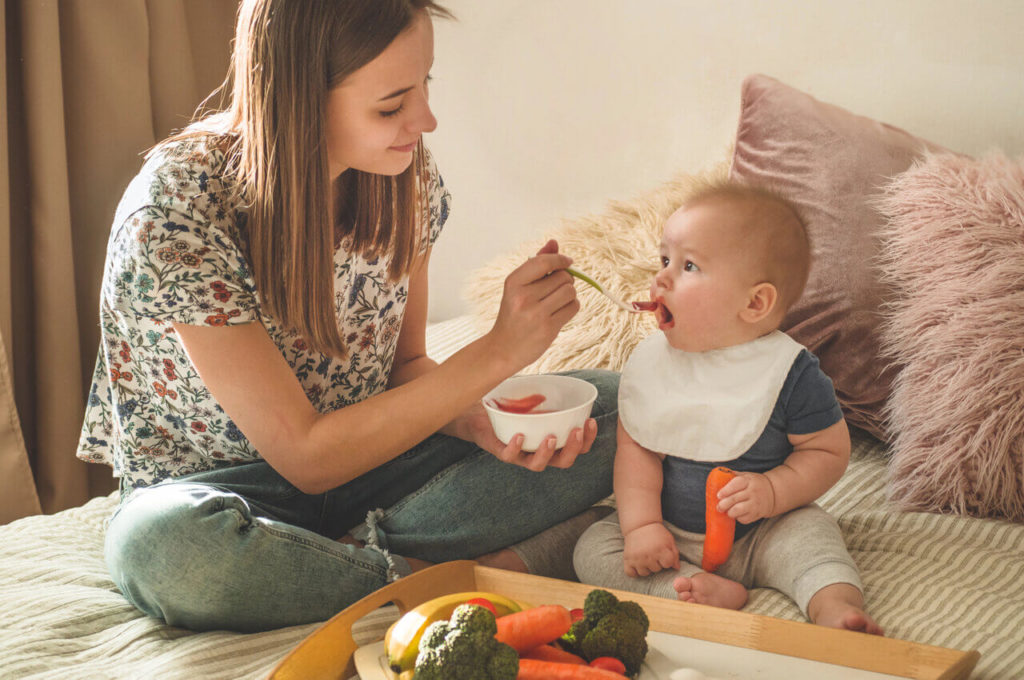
<point>376,115</point>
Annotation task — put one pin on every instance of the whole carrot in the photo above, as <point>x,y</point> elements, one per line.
<point>531,669</point>
<point>552,653</point>
<point>720,528</point>
<point>533,627</point>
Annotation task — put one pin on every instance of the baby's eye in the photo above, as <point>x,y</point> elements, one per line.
<point>690,267</point>
<point>664,261</point>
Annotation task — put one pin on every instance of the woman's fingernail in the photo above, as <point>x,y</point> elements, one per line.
<point>578,436</point>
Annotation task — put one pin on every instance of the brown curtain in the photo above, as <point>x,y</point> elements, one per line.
<point>88,86</point>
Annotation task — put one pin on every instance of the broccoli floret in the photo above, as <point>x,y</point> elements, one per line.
<point>473,618</point>
<point>570,642</point>
<point>599,603</point>
<point>620,635</point>
<point>635,611</point>
<point>596,606</point>
<point>609,628</point>
<point>504,662</point>
<point>464,648</point>
<point>434,635</point>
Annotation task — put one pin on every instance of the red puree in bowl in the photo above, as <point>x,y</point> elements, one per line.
<point>526,404</point>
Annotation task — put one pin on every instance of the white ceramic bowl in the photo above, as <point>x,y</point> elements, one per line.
<point>566,406</point>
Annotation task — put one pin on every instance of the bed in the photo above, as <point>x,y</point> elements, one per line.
<point>947,572</point>
<point>943,580</point>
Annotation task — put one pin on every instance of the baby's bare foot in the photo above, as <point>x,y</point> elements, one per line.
<point>849,618</point>
<point>705,588</point>
<point>841,605</point>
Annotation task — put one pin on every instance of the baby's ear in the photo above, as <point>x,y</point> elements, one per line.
<point>761,302</point>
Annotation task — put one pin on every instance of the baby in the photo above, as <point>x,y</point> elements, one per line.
<point>720,385</point>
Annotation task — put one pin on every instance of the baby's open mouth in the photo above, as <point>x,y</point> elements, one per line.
<point>663,315</point>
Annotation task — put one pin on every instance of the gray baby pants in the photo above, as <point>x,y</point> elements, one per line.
<point>798,553</point>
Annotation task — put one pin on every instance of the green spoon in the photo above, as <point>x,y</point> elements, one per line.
<point>627,306</point>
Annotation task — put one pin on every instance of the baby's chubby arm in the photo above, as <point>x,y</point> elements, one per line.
<point>649,546</point>
<point>817,462</point>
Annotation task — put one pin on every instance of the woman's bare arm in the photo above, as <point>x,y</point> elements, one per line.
<point>411,359</point>
<point>252,381</point>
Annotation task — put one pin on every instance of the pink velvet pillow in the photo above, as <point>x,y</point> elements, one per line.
<point>953,252</point>
<point>830,163</point>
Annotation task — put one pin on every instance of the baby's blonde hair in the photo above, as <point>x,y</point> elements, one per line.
<point>774,233</point>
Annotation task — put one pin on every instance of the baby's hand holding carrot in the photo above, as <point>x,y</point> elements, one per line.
<point>747,498</point>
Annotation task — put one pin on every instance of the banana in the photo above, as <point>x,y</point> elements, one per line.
<point>402,640</point>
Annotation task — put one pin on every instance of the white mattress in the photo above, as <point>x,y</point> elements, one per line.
<point>941,580</point>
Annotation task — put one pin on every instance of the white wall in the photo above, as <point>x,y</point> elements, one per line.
<point>547,109</point>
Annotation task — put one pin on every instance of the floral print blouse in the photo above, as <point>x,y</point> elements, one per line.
<point>174,255</point>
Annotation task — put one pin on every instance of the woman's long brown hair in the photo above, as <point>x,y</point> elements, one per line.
<point>287,55</point>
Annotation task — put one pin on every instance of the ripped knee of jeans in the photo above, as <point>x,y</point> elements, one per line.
<point>372,537</point>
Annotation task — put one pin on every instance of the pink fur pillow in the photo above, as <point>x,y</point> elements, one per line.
<point>953,252</point>
<point>829,163</point>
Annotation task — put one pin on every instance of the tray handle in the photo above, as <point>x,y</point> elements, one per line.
<point>329,653</point>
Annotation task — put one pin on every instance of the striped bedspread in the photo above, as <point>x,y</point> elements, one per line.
<point>941,580</point>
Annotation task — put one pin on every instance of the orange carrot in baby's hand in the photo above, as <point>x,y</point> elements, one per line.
<point>531,669</point>
<point>720,528</point>
<point>533,627</point>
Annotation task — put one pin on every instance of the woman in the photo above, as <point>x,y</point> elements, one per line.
<point>262,385</point>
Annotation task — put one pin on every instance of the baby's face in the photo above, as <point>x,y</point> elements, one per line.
<point>703,283</point>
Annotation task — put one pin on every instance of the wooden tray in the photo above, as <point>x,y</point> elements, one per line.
<point>328,651</point>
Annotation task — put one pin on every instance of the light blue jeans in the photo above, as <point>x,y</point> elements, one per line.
<point>240,548</point>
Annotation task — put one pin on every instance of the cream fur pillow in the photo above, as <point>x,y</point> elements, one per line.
<point>619,248</point>
<point>953,252</point>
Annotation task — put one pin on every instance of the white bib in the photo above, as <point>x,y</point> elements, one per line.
<point>708,406</point>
